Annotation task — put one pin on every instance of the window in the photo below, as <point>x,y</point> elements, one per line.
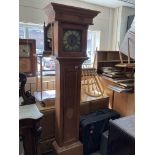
<point>37,34</point>
<point>22,32</point>
<point>93,43</point>
<point>35,31</point>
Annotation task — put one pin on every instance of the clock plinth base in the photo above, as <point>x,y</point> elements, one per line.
<point>73,149</point>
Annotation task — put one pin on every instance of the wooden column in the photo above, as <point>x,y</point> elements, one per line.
<point>70,26</point>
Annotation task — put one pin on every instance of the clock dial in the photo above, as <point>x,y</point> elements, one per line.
<point>24,50</point>
<point>72,40</point>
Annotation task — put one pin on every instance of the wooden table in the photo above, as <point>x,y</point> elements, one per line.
<point>123,103</point>
<point>29,128</point>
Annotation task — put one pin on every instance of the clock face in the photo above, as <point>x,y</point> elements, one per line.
<point>24,50</point>
<point>72,40</point>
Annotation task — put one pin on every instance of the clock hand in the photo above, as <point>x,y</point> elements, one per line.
<point>25,51</point>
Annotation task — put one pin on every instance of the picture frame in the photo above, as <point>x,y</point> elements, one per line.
<point>27,58</point>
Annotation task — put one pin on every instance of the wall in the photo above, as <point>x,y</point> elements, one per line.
<point>126,11</point>
<point>120,24</point>
<point>116,28</point>
<point>31,11</point>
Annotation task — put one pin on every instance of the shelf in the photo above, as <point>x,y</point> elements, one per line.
<point>125,65</point>
<point>120,90</point>
<point>105,61</point>
<point>107,51</point>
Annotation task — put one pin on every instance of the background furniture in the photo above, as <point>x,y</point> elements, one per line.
<point>48,127</point>
<point>121,140</point>
<point>109,59</point>
<point>121,98</point>
<point>48,38</point>
<point>44,94</point>
<point>122,102</point>
<point>27,59</point>
<point>29,128</point>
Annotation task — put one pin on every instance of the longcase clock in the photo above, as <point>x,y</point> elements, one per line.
<point>70,26</point>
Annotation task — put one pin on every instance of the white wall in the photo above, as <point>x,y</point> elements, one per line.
<point>32,11</point>
<point>120,24</point>
<point>116,28</point>
<point>126,11</point>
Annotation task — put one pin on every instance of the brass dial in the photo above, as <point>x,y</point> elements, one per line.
<point>72,40</point>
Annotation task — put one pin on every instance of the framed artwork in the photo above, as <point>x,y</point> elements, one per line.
<point>27,58</point>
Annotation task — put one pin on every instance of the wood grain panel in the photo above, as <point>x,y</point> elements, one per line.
<point>70,97</point>
<point>124,103</point>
